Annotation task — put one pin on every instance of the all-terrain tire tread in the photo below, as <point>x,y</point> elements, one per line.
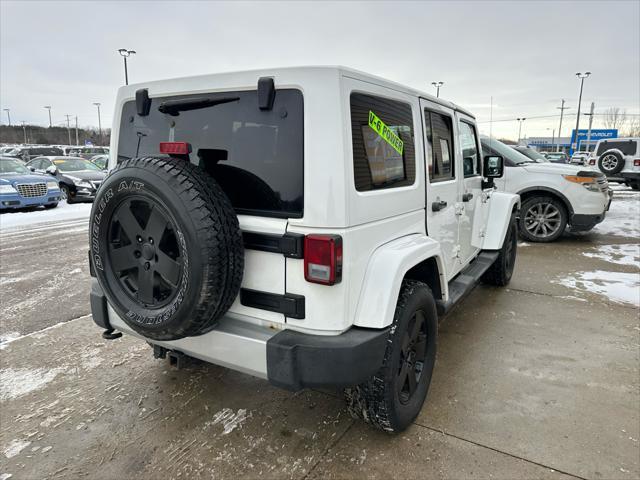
<point>217,228</point>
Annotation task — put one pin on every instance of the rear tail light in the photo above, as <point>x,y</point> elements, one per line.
<point>636,162</point>
<point>323,259</point>
<point>175,148</point>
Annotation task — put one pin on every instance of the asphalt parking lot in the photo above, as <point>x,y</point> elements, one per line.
<point>539,380</point>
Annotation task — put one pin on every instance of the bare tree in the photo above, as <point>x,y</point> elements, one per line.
<point>633,127</point>
<point>615,118</point>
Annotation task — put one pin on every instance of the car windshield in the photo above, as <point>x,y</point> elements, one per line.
<point>9,167</point>
<point>74,164</point>
<point>532,154</point>
<point>509,154</point>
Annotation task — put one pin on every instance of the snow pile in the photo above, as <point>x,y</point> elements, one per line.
<point>623,254</point>
<point>15,447</point>
<point>618,287</point>
<point>623,218</point>
<point>16,220</point>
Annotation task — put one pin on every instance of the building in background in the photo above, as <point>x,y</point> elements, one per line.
<point>563,144</point>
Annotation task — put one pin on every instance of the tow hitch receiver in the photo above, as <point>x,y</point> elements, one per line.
<point>176,359</point>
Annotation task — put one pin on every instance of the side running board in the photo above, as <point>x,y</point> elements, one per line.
<point>466,280</point>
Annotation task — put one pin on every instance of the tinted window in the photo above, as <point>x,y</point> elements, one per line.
<point>37,164</point>
<point>440,157</point>
<point>73,164</point>
<point>470,151</point>
<point>627,147</point>
<point>511,156</point>
<point>12,166</point>
<point>383,143</point>
<point>257,156</point>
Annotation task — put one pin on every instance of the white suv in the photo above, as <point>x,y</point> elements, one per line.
<point>553,195</point>
<point>304,225</point>
<point>619,160</point>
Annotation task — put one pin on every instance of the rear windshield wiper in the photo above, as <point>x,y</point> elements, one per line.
<point>174,107</point>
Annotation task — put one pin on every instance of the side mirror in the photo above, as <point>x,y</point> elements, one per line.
<point>493,166</point>
<point>32,168</point>
<point>51,170</point>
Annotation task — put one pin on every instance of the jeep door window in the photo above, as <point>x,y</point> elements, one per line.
<point>382,136</point>
<point>470,151</point>
<point>440,158</point>
<point>256,156</point>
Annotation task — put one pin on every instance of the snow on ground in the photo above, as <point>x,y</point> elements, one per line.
<point>623,218</point>
<point>63,212</point>
<point>623,254</point>
<point>618,287</point>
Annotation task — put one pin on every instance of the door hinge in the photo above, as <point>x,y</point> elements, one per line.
<point>459,208</point>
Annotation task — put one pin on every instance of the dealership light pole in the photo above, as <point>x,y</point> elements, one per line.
<point>77,142</point>
<point>553,136</point>
<point>8,114</point>
<point>24,131</point>
<point>521,120</point>
<point>97,104</point>
<point>48,107</point>
<point>562,108</point>
<point>581,76</point>
<point>437,85</point>
<point>124,53</point>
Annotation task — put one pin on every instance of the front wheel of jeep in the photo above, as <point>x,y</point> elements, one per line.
<point>393,397</point>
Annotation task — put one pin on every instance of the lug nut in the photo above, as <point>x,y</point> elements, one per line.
<point>147,266</point>
<point>139,239</point>
<point>136,254</point>
<point>151,240</point>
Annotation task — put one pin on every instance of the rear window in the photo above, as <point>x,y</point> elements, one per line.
<point>257,156</point>
<point>383,144</point>
<point>627,147</point>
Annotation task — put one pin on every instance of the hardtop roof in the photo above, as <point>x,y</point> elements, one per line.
<point>340,70</point>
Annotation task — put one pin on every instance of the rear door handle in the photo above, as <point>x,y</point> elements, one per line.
<point>437,206</point>
<point>467,196</point>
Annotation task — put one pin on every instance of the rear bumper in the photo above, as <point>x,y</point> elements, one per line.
<point>13,200</point>
<point>288,359</point>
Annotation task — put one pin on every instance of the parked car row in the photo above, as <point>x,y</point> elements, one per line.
<point>46,180</point>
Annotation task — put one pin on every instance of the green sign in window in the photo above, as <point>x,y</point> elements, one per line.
<point>385,132</point>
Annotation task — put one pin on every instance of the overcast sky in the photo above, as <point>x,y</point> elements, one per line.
<point>524,54</point>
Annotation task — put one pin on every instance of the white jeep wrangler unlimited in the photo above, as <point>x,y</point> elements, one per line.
<point>303,225</point>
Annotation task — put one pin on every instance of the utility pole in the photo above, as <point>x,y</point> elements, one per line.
<point>24,130</point>
<point>437,85</point>
<point>77,142</point>
<point>48,107</point>
<point>581,76</point>
<point>68,128</point>
<point>8,115</point>
<point>590,114</point>
<point>562,108</point>
<point>521,120</point>
<point>97,104</point>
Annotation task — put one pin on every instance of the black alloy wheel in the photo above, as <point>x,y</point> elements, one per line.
<point>412,356</point>
<point>144,253</point>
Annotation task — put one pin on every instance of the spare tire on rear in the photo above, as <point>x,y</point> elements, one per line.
<point>166,247</point>
<point>611,162</point>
